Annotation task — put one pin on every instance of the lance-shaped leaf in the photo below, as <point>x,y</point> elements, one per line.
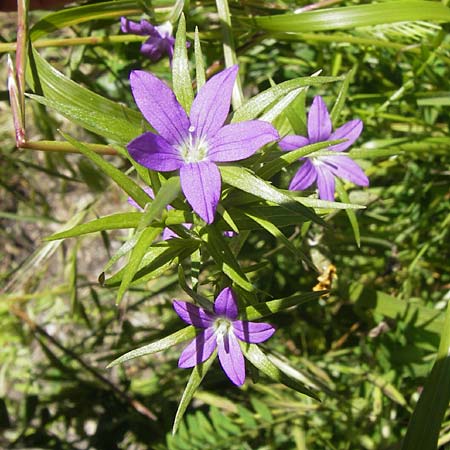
<point>143,242</point>
<point>197,375</point>
<point>224,258</point>
<point>78,104</point>
<point>350,17</point>
<point>127,184</point>
<point>113,222</point>
<point>265,309</point>
<point>169,341</point>
<point>258,104</point>
<point>157,260</point>
<point>71,16</point>
<point>242,179</point>
<point>255,355</point>
<point>182,86</point>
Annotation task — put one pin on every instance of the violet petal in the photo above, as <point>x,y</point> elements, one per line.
<point>226,304</point>
<point>319,122</point>
<point>325,183</point>
<point>149,191</point>
<point>240,140</point>
<point>193,315</point>
<point>153,48</point>
<point>201,184</point>
<point>128,26</point>
<point>293,142</point>
<point>351,131</point>
<point>154,152</point>
<point>168,234</point>
<point>231,358</point>
<point>253,332</point>
<point>199,349</point>
<point>212,103</point>
<point>305,176</point>
<point>159,106</point>
<point>345,167</point>
<point>149,29</point>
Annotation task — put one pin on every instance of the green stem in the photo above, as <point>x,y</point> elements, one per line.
<point>21,54</point>
<point>229,50</point>
<point>65,147</point>
<point>89,40</point>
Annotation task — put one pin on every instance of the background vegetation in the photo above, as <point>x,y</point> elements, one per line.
<point>368,348</point>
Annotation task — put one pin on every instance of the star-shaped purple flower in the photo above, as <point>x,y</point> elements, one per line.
<point>220,330</point>
<point>193,145</point>
<point>160,41</point>
<point>324,169</point>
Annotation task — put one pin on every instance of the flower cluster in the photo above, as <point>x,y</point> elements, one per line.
<point>194,145</point>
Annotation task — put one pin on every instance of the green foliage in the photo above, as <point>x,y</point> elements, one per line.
<point>368,349</point>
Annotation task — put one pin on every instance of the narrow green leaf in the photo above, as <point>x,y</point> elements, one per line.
<point>181,78</point>
<point>258,104</point>
<point>167,193</point>
<point>112,222</point>
<point>127,184</point>
<point>224,258</point>
<point>285,159</point>
<point>296,114</point>
<point>202,301</point>
<point>169,341</point>
<point>142,244</point>
<point>318,204</point>
<point>350,212</point>
<point>254,354</point>
<point>340,100</point>
<point>157,260</point>
<point>86,108</point>
<point>199,65</point>
<point>425,424</point>
<point>277,234</point>
<point>71,16</point>
<point>265,309</point>
<point>350,17</point>
<point>197,375</point>
<point>279,107</point>
<point>242,179</point>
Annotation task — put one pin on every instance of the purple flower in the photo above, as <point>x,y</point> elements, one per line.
<point>194,144</point>
<point>323,169</point>
<point>159,42</point>
<point>220,330</point>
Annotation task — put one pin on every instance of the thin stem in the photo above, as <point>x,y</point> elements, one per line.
<point>229,49</point>
<point>14,99</point>
<point>21,54</point>
<point>66,42</point>
<point>65,147</point>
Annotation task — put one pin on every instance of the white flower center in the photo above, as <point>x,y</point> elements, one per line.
<point>193,149</point>
<point>222,327</point>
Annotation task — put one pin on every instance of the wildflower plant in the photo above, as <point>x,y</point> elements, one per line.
<point>205,293</point>
<point>223,164</point>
